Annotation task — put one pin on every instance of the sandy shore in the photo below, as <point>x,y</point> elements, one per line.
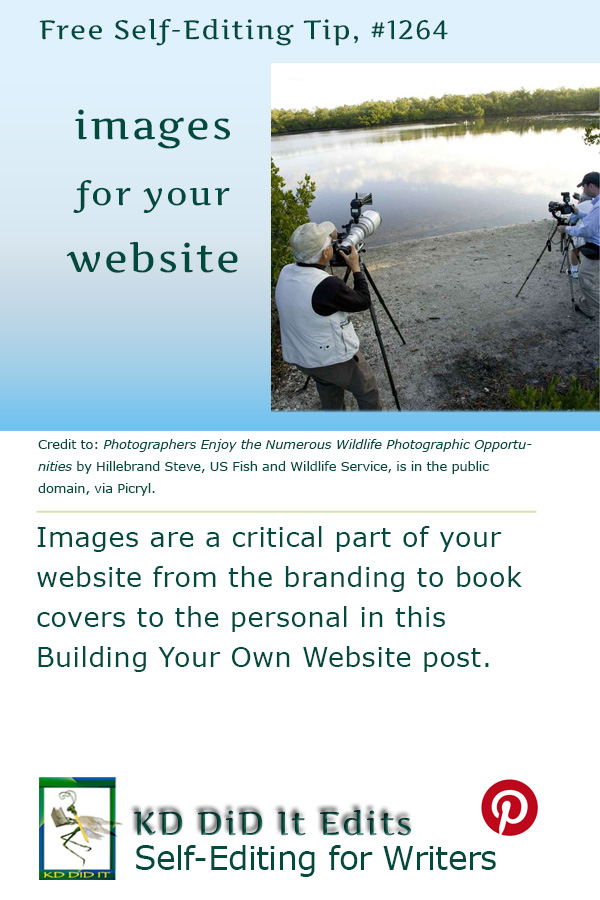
<point>468,339</point>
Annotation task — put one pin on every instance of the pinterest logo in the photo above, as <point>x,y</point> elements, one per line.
<point>509,807</point>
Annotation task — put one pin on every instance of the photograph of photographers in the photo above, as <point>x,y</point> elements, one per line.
<point>435,239</point>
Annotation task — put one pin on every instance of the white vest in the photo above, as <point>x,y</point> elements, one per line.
<point>308,339</point>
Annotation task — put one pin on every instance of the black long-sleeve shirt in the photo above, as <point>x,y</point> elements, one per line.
<point>333,294</point>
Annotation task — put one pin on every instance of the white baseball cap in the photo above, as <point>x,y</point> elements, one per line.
<point>310,239</point>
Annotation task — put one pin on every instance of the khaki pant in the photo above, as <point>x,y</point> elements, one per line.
<point>590,286</point>
<point>354,375</point>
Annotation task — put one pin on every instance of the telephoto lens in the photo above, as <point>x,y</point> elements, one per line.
<point>368,222</point>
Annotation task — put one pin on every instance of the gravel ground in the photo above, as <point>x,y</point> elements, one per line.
<point>468,339</point>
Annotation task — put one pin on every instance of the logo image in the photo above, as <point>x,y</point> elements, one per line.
<point>509,807</point>
<point>74,846</point>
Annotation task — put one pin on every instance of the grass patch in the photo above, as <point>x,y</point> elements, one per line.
<point>570,396</point>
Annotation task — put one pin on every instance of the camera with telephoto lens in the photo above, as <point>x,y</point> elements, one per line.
<point>359,228</point>
<point>561,209</point>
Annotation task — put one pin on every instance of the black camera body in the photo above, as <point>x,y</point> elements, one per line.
<point>561,209</point>
<point>360,226</point>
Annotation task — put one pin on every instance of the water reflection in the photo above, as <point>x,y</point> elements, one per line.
<point>440,178</point>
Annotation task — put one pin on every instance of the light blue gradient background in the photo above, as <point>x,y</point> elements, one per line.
<point>181,351</point>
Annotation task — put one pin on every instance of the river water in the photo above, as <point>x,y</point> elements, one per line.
<point>436,179</point>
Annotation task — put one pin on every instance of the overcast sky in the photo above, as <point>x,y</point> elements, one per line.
<point>329,84</point>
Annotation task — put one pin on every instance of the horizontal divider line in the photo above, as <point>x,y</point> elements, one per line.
<point>282,511</point>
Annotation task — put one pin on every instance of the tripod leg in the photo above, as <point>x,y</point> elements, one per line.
<point>547,246</point>
<point>378,333</point>
<point>384,355</point>
<point>382,301</point>
<point>568,246</point>
<point>564,260</point>
<point>571,286</point>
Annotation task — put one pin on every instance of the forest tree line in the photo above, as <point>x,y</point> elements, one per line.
<point>450,106</point>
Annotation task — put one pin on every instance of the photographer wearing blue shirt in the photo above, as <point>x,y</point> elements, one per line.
<point>588,228</point>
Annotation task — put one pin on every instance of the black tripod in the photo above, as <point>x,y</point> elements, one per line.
<point>566,243</point>
<point>377,330</point>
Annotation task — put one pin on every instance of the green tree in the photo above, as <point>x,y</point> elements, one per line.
<point>289,209</point>
<point>451,106</point>
<point>592,136</point>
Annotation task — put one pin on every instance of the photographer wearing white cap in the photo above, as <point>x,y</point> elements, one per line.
<point>316,333</point>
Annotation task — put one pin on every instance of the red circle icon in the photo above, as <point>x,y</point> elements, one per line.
<point>509,807</point>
